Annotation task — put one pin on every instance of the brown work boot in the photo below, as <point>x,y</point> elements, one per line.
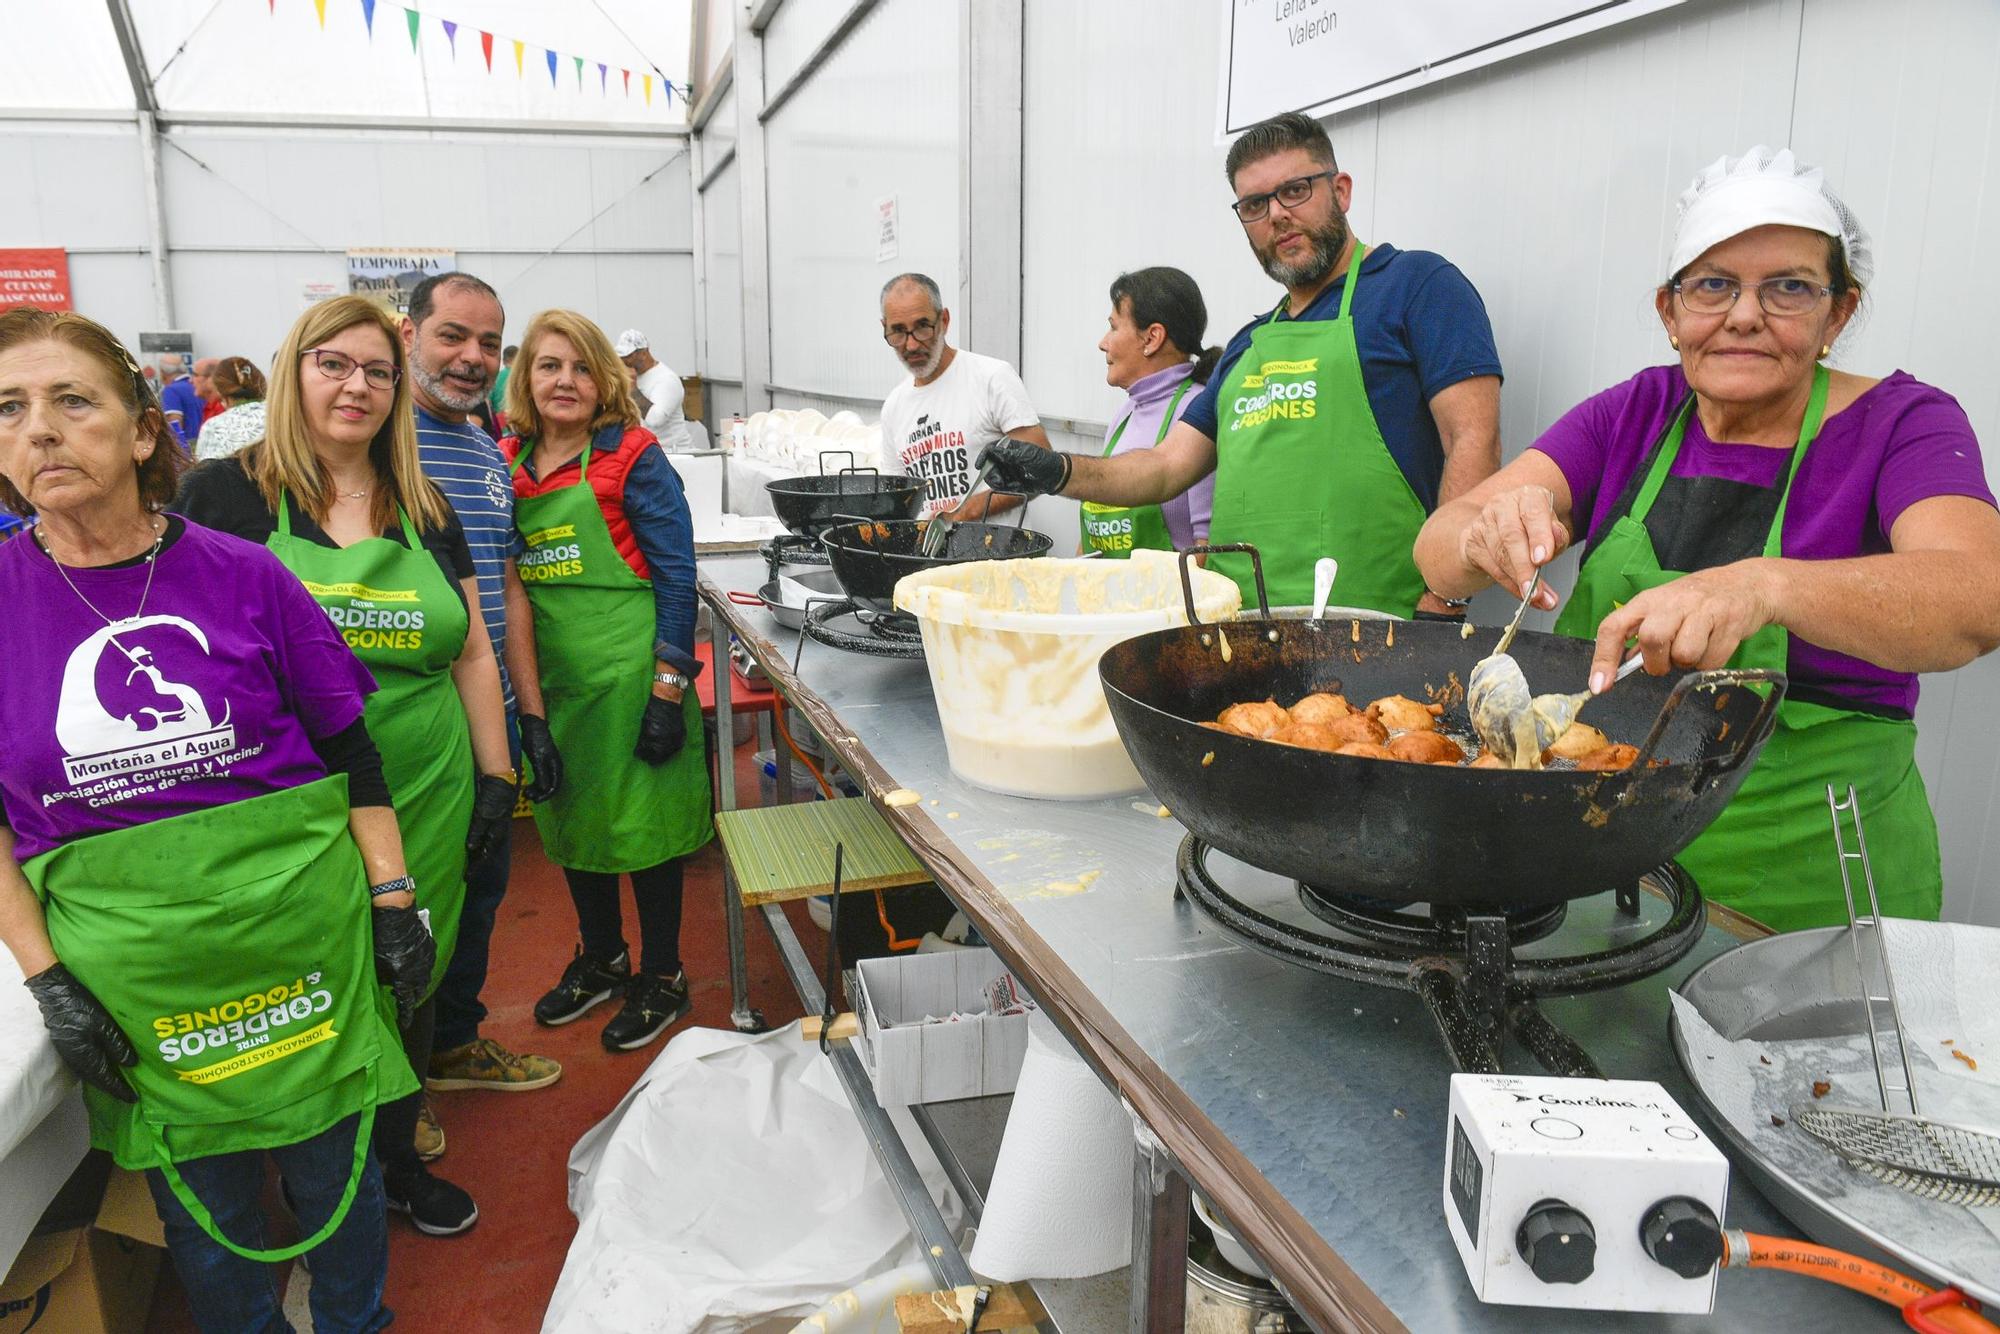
<point>429,1140</point>
<point>484,1064</point>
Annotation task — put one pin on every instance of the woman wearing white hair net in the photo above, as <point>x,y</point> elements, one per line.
<point>1748,506</point>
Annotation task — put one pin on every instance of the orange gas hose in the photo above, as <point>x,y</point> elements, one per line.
<point>1751,1250</point>
<point>896,943</point>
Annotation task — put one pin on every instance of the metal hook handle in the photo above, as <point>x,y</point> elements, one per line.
<point>1203,549</point>
<point>826,454</point>
<point>1759,728</point>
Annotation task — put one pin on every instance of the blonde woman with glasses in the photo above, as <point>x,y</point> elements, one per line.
<point>335,491</point>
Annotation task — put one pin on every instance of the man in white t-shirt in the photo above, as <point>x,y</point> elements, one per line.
<point>954,404</point>
<point>659,389</point>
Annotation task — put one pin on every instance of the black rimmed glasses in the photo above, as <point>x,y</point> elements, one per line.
<point>895,335</point>
<point>1712,295</point>
<point>340,366</point>
<point>1292,193</point>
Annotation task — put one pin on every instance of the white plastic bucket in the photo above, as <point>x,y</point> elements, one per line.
<point>1012,647</point>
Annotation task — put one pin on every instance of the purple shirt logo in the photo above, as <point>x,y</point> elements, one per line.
<point>127,707</point>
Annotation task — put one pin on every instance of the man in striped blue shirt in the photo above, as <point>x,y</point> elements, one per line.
<point>453,332</point>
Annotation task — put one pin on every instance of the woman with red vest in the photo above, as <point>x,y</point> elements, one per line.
<point>608,560</point>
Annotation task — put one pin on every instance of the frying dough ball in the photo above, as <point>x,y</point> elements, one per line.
<point>1367,750</point>
<point>1578,741</point>
<point>1400,713</point>
<point>1263,719</point>
<point>1360,727</point>
<point>1311,736</point>
<point>1487,760</point>
<point>1324,707</point>
<point>1426,748</point>
<point>1611,759</point>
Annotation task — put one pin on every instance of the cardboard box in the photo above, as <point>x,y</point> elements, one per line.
<point>913,1061</point>
<point>691,402</point>
<point>89,1280</point>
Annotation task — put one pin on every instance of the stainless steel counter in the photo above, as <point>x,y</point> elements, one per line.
<point>1311,1110</point>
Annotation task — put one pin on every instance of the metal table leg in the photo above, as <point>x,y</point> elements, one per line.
<point>741,1015</point>
<point>1159,1239</point>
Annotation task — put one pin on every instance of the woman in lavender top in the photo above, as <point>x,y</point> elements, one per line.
<point>1152,350</point>
<point>1749,506</point>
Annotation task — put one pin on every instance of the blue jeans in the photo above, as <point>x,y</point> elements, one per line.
<point>459,1012</point>
<point>230,1293</point>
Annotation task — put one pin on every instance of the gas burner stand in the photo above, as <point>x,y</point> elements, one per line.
<point>791,549</point>
<point>891,636</point>
<point>1460,960</point>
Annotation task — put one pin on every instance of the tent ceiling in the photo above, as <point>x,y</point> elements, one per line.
<point>219,59</point>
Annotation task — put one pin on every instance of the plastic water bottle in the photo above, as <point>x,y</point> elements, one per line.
<point>737,431</point>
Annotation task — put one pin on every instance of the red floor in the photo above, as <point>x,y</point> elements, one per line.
<point>510,1150</point>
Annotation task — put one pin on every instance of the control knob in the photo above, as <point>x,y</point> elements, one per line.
<point>1558,1243</point>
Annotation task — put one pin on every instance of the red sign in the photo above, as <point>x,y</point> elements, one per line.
<point>34,278</point>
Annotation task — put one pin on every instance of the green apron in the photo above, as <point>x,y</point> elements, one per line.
<point>234,947</point>
<point>1301,470</point>
<point>594,637</point>
<point>407,625</point>
<point>1116,530</point>
<point>1771,853</point>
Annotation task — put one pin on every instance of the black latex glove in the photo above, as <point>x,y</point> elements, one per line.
<point>544,760</point>
<point>662,732</point>
<point>1023,468</point>
<point>404,956</point>
<point>492,814</point>
<point>86,1037</point>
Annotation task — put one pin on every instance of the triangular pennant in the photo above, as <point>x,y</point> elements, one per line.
<point>415,20</point>
<point>451,36</point>
<point>579,72</point>
<point>486,45</point>
<point>274,8</point>
<point>628,81</point>
<point>552,68</point>
<point>668,88</point>
<point>320,5</point>
<point>368,17</point>
<point>603,73</point>
<point>519,48</point>
<point>649,88</point>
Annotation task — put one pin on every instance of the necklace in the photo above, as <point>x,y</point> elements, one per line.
<point>362,494</point>
<point>152,565</point>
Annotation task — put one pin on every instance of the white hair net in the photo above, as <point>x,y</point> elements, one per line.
<point>1731,195</point>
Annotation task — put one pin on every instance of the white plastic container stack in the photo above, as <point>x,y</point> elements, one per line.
<point>1012,648</point>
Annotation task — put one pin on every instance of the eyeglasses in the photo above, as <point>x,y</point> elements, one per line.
<point>1776,296</point>
<point>923,331</point>
<point>339,366</point>
<point>1292,193</point>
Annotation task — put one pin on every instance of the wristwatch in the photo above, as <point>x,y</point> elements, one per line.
<point>674,679</point>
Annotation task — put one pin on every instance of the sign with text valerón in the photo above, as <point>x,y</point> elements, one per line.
<point>34,278</point>
<point>1324,56</point>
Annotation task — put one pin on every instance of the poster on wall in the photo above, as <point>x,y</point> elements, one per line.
<point>311,294</point>
<point>1324,56</point>
<point>885,230</point>
<point>34,278</point>
<point>388,276</point>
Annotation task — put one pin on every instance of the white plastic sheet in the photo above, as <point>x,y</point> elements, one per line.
<point>732,1189</point>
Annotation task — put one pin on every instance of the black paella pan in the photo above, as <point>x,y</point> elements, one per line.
<point>810,505</point>
<point>1419,833</point>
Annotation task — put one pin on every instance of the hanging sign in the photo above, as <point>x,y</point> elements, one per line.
<point>885,229</point>
<point>388,276</point>
<point>311,294</point>
<point>34,278</point>
<point>1323,56</point>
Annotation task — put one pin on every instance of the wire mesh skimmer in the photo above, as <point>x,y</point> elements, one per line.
<point>1935,1160</point>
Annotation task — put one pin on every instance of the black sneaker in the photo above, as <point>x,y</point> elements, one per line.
<point>652,1001</point>
<point>586,984</point>
<point>435,1206</point>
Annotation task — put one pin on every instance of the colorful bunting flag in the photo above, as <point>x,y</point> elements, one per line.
<point>486,45</point>
<point>579,72</point>
<point>628,81</point>
<point>552,68</point>
<point>368,17</point>
<point>451,36</point>
<point>320,5</point>
<point>649,89</point>
<point>414,19</point>
<point>603,73</point>
<point>519,48</point>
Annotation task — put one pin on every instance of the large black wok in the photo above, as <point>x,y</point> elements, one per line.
<point>868,558</point>
<point>1416,833</point>
<point>810,505</point>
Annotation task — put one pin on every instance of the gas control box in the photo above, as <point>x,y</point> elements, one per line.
<point>1591,1194</point>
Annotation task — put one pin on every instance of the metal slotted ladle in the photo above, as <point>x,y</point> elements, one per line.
<point>1511,720</point>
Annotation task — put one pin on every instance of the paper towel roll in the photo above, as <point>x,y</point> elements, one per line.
<point>1061,1201</point>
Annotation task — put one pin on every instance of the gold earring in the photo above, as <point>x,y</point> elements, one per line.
<point>1673,341</point>
<point>1826,350</point>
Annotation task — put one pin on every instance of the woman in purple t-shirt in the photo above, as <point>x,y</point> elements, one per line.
<point>193,819</point>
<point>1750,506</point>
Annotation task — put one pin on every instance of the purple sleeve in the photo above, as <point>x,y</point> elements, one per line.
<point>1600,442</point>
<point>1931,452</point>
<point>1201,496</point>
<point>325,684</point>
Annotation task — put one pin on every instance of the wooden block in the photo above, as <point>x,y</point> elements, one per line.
<point>846,1025</point>
<point>1012,1306</point>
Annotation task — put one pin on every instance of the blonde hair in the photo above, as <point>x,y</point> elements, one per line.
<point>284,461</point>
<point>615,404</point>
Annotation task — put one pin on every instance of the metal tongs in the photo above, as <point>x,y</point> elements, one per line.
<point>937,533</point>
<point>1936,1160</point>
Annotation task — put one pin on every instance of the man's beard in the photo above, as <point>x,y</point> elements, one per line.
<point>931,360</point>
<point>442,389</point>
<point>1327,242</point>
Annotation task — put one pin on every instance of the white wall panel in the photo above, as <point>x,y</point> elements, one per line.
<point>720,132</point>
<point>880,118</point>
<point>722,238</point>
<point>796,32</point>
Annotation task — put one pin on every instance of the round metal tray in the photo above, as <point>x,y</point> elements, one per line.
<point>1805,986</point>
